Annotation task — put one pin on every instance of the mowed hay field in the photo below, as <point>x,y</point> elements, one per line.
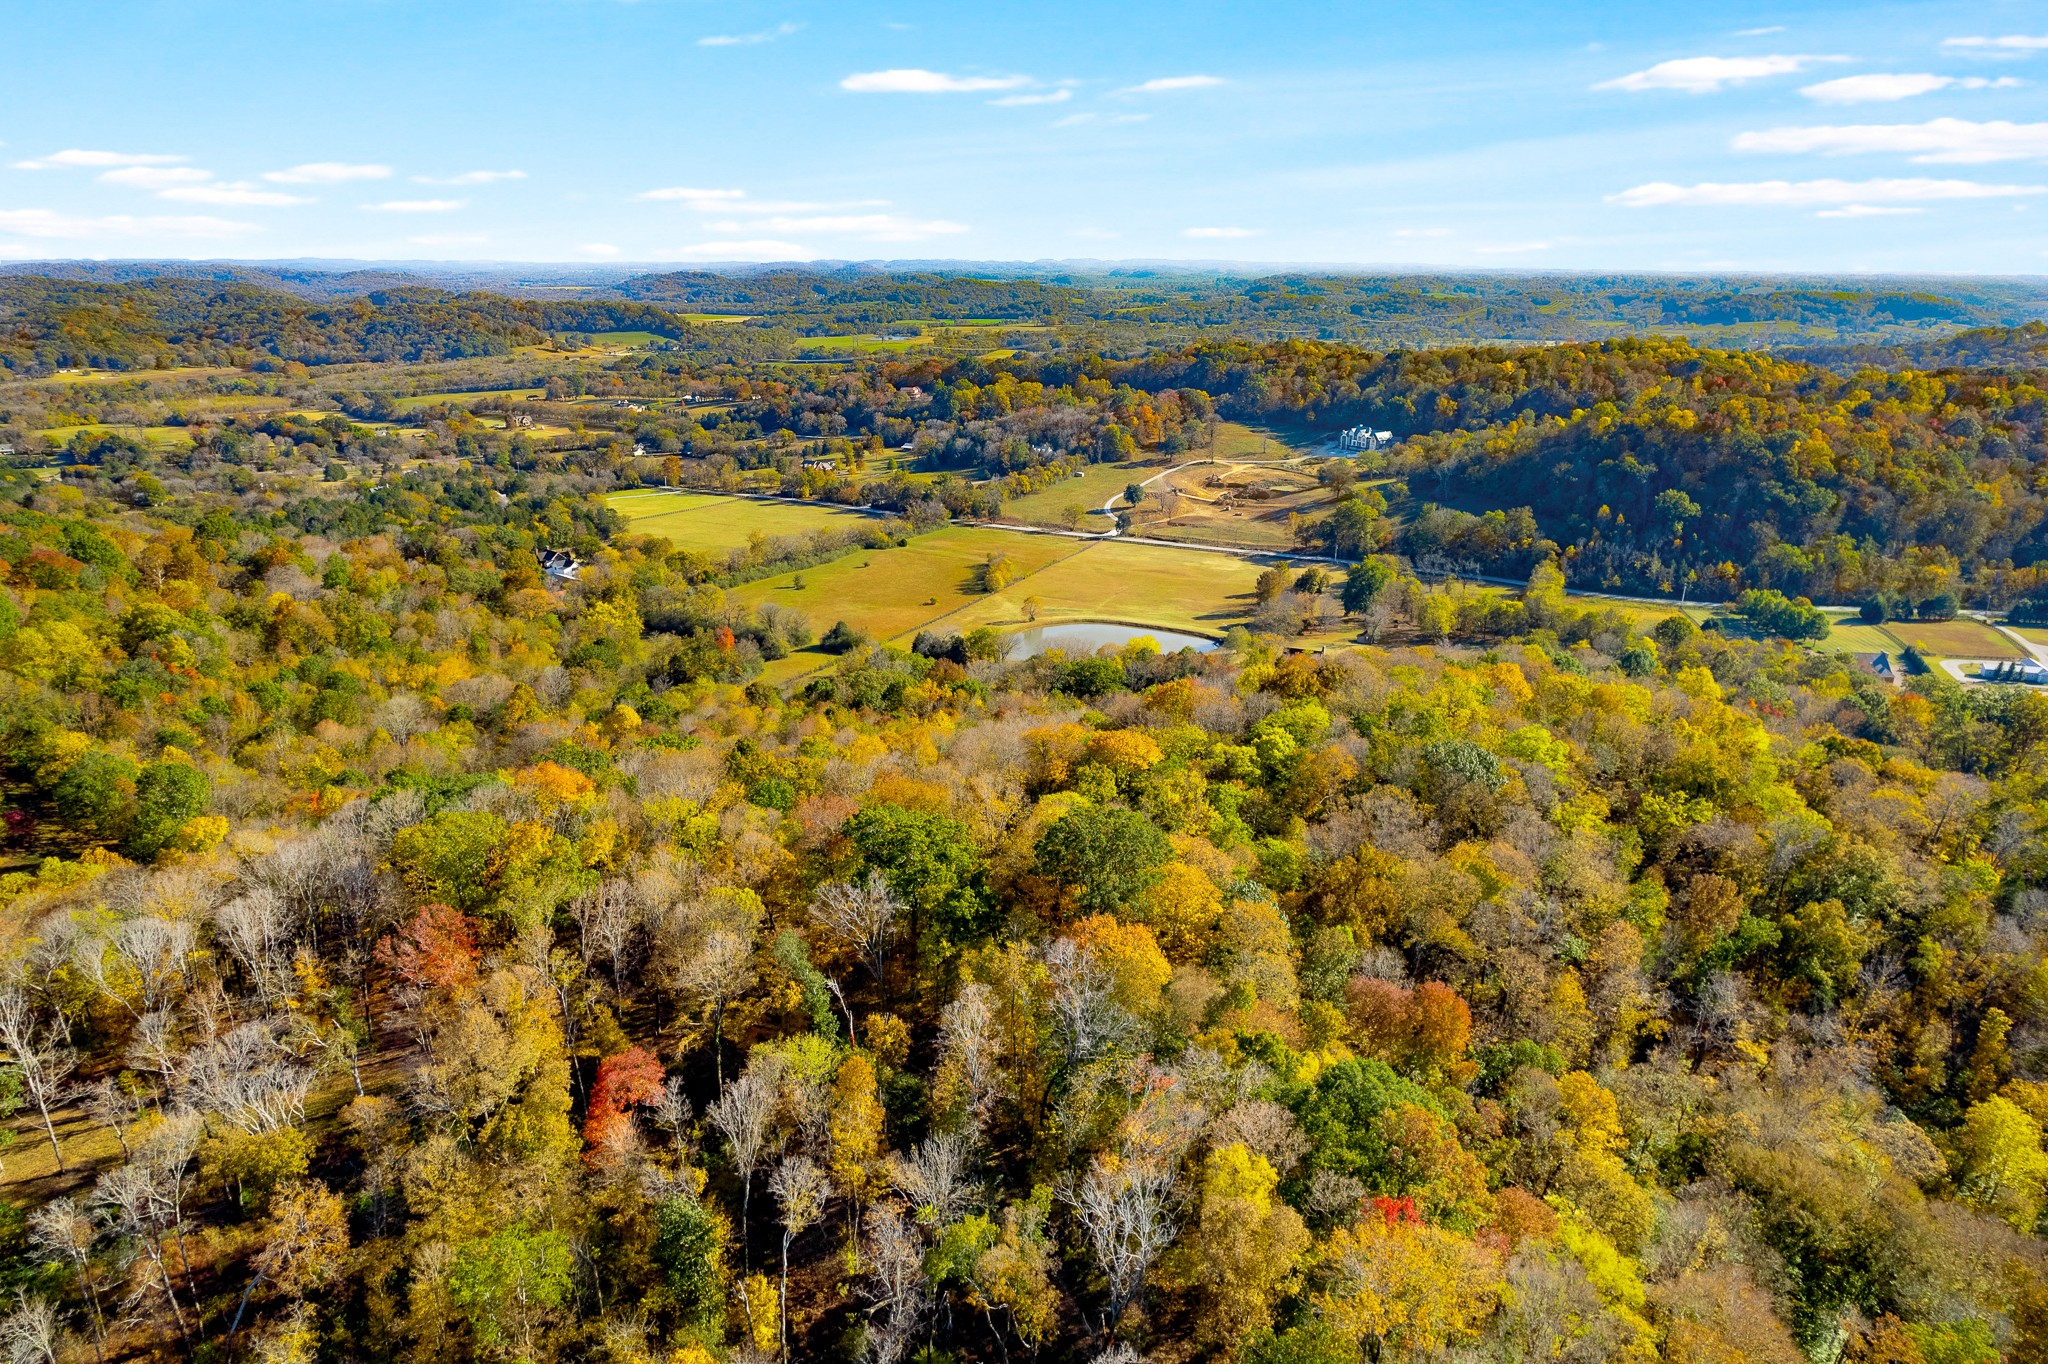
<point>711,522</point>
<point>891,594</point>
<point>1096,485</point>
<point>1176,589</point>
<point>1953,639</point>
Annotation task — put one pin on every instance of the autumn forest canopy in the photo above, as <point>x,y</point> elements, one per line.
<point>528,834</point>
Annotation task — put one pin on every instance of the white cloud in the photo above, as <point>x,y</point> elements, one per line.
<point>1073,120</point>
<point>2011,45</point>
<point>190,185</point>
<point>1423,231</point>
<point>1129,118</point>
<point>74,158</point>
<point>450,239</point>
<point>326,173</point>
<point>1228,233</point>
<point>1867,211</point>
<point>475,177</point>
<point>1875,88</point>
<point>417,206</point>
<point>598,249</point>
<point>1759,32</point>
<point>239,193</point>
<point>767,35</point>
<point>914,81</point>
<point>1956,141</point>
<point>1812,193</point>
<point>42,222</point>
<point>1512,249</point>
<point>1095,234</point>
<point>1706,75</point>
<point>155,177</point>
<point>717,197</point>
<point>1049,97</point>
<point>745,250</point>
<point>1166,85</point>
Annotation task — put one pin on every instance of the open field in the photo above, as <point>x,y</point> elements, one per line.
<point>1854,637</point>
<point>425,399</point>
<point>153,435</point>
<point>891,594</point>
<point>713,319</point>
<point>1175,589</point>
<point>1235,440</point>
<point>614,340</point>
<point>706,521</point>
<point>1096,485</point>
<point>1953,639</point>
<point>863,345</point>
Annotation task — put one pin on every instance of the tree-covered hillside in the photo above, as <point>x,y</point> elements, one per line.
<point>409,955</point>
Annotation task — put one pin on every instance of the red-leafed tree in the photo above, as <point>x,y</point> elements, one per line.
<point>436,948</point>
<point>628,1079</point>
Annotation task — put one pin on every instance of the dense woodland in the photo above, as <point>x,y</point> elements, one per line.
<point>410,957</point>
<point>136,316</point>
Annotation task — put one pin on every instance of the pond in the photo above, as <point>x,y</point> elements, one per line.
<point>1080,637</point>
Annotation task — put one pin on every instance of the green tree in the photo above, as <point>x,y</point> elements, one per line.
<point>167,796</point>
<point>506,1285</point>
<point>1363,583</point>
<point>931,863</point>
<point>1108,854</point>
<point>689,1245</point>
<point>96,793</point>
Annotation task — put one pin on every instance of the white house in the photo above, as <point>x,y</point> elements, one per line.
<point>1363,438</point>
<point>560,563</point>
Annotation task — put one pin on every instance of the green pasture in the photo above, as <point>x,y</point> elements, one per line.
<point>711,522</point>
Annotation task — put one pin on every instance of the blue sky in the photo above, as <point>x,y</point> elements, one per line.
<point>1740,136</point>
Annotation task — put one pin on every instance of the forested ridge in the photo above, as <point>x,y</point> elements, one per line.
<point>119,317</point>
<point>409,956</point>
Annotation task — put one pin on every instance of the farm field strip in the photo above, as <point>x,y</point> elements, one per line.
<point>703,521</point>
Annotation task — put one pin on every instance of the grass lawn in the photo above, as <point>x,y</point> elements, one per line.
<point>1097,484</point>
<point>1953,639</point>
<point>627,340</point>
<point>1852,636</point>
<point>714,318</point>
<point>422,400</point>
<point>1235,440</point>
<point>2033,634</point>
<point>153,435</point>
<point>891,594</point>
<point>1175,589</point>
<point>861,345</point>
<point>707,521</point>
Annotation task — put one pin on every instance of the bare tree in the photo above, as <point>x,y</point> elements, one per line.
<point>742,1115</point>
<point>971,1049</point>
<point>40,1054</point>
<point>671,1110</point>
<point>718,974</point>
<point>1125,1210</point>
<point>139,1203</point>
<point>608,918</point>
<point>247,1077</point>
<point>153,1048</point>
<point>30,1332</point>
<point>1087,1020</point>
<point>114,1108</point>
<point>863,915</point>
<point>937,1179</point>
<point>152,950</point>
<point>896,1284</point>
<point>801,1191</point>
<point>61,1230</point>
<point>256,928</point>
